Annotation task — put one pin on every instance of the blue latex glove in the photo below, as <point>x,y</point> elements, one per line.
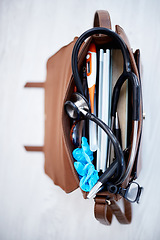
<point>84,167</point>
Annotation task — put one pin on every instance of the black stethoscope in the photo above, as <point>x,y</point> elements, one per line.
<point>78,106</point>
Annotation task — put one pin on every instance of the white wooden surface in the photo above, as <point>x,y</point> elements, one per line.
<point>31,206</point>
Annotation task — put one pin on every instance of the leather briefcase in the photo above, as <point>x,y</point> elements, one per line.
<point>59,87</point>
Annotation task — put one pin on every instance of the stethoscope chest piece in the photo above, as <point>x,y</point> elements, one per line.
<point>77,106</point>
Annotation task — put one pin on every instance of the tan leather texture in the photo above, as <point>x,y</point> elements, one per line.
<point>58,163</point>
<point>102,19</point>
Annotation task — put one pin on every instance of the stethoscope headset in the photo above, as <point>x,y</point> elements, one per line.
<point>78,107</point>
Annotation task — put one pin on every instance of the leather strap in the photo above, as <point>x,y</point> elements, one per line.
<point>105,209</point>
<point>101,210</point>
<point>34,148</point>
<point>123,218</point>
<point>34,85</point>
<point>102,19</point>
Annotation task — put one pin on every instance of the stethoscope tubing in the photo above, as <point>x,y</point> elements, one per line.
<point>136,94</point>
<point>115,142</point>
<point>83,37</point>
<point>78,107</point>
<point>127,74</point>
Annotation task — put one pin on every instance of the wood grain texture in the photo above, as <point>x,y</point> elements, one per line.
<point>31,206</point>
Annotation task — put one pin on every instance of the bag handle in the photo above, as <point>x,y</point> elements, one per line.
<point>102,19</point>
<point>104,210</point>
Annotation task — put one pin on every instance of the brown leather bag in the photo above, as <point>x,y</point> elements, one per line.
<point>59,86</point>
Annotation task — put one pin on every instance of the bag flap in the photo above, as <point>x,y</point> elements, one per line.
<point>57,157</point>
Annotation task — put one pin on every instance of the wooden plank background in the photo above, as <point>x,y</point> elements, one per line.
<point>31,206</point>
